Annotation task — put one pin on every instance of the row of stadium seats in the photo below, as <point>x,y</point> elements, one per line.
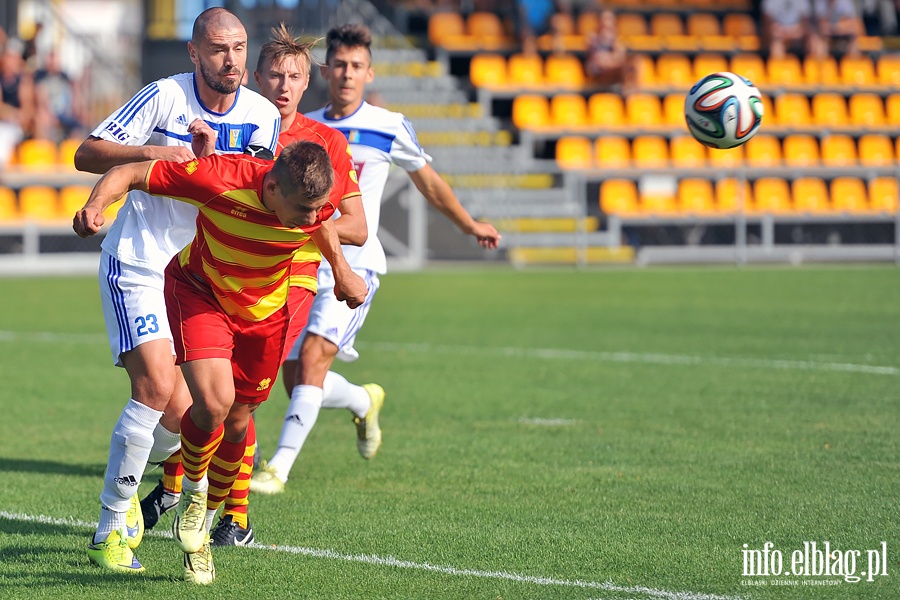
<point>566,71</point>
<point>696,196</point>
<point>38,155</point>
<point>796,150</point>
<point>642,111</point>
<point>45,204</point>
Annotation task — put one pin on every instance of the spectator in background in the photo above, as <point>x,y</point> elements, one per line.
<point>787,25</point>
<point>58,102</point>
<point>607,61</point>
<point>838,27</point>
<point>534,18</point>
<point>17,104</point>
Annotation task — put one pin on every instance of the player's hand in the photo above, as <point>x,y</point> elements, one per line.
<point>172,153</point>
<point>88,221</point>
<point>203,137</point>
<point>351,288</point>
<point>488,237</point>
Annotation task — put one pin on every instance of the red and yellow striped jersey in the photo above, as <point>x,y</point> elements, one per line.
<point>241,249</point>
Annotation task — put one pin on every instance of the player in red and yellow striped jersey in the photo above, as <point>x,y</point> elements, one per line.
<point>229,293</point>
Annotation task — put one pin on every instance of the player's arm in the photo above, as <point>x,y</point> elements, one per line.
<point>96,155</point>
<point>440,195</point>
<point>351,225</point>
<point>110,188</point>
<point>348,286</point>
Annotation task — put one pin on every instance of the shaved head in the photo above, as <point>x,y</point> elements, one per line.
<point>213,19</point>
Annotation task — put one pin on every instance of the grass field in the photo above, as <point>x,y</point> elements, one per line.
<point>610,434</point>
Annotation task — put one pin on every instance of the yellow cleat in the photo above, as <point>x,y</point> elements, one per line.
<point>134,523</point>
<point>368,432</point>
<point>114,554</point>
<point>189,527</point>
<point>265,480</point>
<point>198,566</point>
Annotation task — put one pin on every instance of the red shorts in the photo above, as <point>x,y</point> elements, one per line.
<point>256,349</point>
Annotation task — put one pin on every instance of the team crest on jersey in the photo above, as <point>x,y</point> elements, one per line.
<point>264,384</point>
<point>353,176</point>
<point>234,138</point>
<point>353,136</point>
<point>191,167</point>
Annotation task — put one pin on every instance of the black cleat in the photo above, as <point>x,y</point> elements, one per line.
<point>156,504</point>
<point>228,533</point>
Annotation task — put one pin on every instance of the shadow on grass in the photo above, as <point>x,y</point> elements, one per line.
<point>25,465</point>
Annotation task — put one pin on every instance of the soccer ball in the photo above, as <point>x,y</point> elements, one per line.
<point>723,110</point>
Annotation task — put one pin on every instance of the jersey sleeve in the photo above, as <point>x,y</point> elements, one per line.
<point>406,152</point>
<point>195,181</point>
<point>346,183</point>
<point>265,135</point>
<point>133,123</point>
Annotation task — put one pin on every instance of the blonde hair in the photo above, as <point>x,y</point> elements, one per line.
<point>282,46</point>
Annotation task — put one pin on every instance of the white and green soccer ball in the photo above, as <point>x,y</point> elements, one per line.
<point>723,110</point>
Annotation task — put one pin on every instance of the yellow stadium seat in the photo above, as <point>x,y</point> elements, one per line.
<point>793,110</point>
<point>687,152</point>
<point>525,70</point>
<point>9,212</point>
<point>857,71</point>
<point>37,155</point>
<point>66,152</point>
<point>447,28</point>
<point>650,151</point>
<point>784,71</point>
<point>564,71</point>
<point>892,110</point>
<point>574,152</point>
<point>749,66</point>
<point>488,71</point>
<point>568,111</point>
<point>770,118</point>
<point>763,150</point>
<point>732,196</point>
<point>645,71</point>
<point>888,70</point>
<point>643,110</point>
<point>829,109</point>
<point>612,152</point>
<point>771,195</point>
<point>737,24</point>
<point>884,194</point>
<point>695,195</point>
<point>587,22</point>
<point>39,203</point>
<point>866,110</point>
<point>618,196</point>
<point>875,150</point>
<point>702,23</point>
<point>673,110</point>
<point>821,71</point>
<point>848,194</point>
<point>72,199</point>
<point>628,24</point>
<point>706,63</point>
<point>530,111</point>
<point>809,194</point>
<point>800,150</point>
<point>666,23</point>
<point>675,70</point>
<point>659,202</point>
<point>733,157</point>
<point>486,30</point>
<point>838,150</point>
<point>606,110</point>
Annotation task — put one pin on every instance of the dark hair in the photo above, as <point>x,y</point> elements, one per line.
<point>215,17</point>
<point>284,45</point>
<point>304,168</point>
<point>350,35</point>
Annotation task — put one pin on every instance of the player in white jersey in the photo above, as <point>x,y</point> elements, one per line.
<point>378,138</point>
<point>160,122</point>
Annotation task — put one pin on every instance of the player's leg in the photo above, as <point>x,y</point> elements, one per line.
<point>233,528</point>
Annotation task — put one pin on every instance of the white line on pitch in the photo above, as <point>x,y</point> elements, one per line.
<point>390,561</point>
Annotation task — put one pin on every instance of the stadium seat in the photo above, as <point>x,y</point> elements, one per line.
<point>687,153</point>
<point>618,196</point>
<point>72,199</point>
<point>37,155</point>
<point>857,71</point>
<point>821,71</point>
<point>793,110</point>
<point>706,63</point>
<point>657,203</point>
<point>66,152</point>
<point>771,195</point>
<point>866,110</point>
<point>785,71</point>
<point>884,194</point>
<point>630,24</point>
<point>488,71</point>
<point>770,118</point>
<point>650,151</point>
<point>675,70</point>
<point>568,111</point>
<point>587,22</point>
<point>673,110</point>
<point>9,211</point>
<point>733,157</point>
<point>742,28</point>
<point>731,195</point>
<point>749,66</point>
<point>695,196</point>
<point>838,150</point>
<point>888,70</point>
<point>645,71</point>
<point>447,28</point>
<point>702,24</point>
<point>606,110</point>
<point>875,150</point>
<point>525,70</point>
<point>800,150</point>
<point>666,23</point>
<point>829,109</point>
<point>892,110</point>
<point>530,111</point>
<point>564,71</point>
<point>764,150</point>
<point>612,152</point>
<point>39,203</point>
<point>810,195</point>
<point>643,110</point>
<point>486,30</point>
<point>574,152</point>
<point>848,194</point>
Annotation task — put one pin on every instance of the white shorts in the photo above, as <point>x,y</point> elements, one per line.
<point>134,306</point>
<point>334,320</point>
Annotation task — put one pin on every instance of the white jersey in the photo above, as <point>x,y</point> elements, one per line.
<point>378,138</point>
<point>149,230</point>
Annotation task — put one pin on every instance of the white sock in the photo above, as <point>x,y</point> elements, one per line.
<point>340,393</point>
<point>190,486</point>
<point>165,443</point>
<point>129,448</point>
<point>210,515</point>
<point>301,415</point>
